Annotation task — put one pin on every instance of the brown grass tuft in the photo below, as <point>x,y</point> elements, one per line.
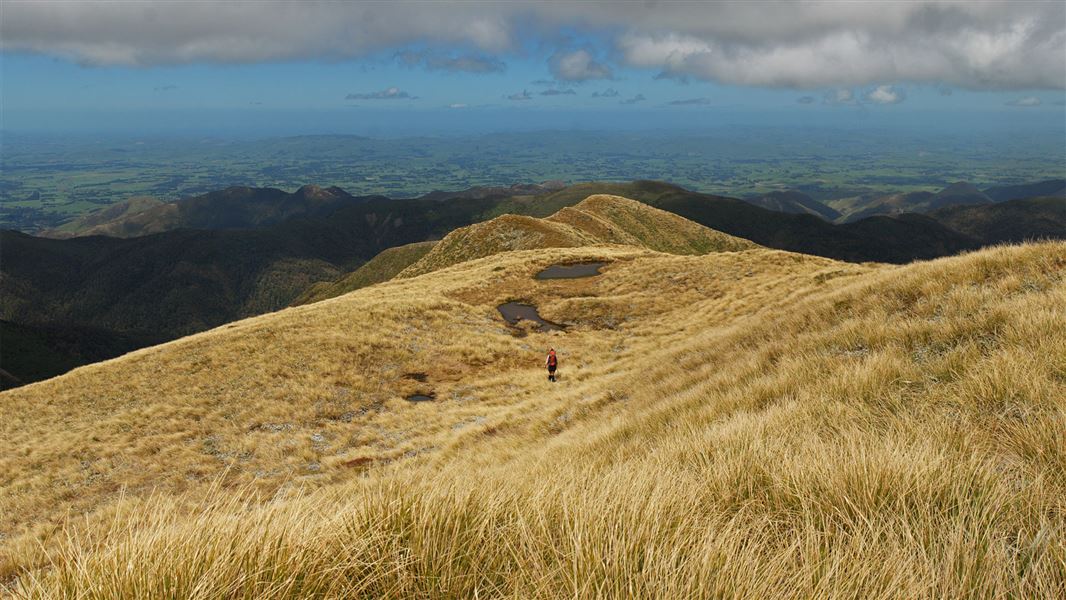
<point>750,424</point>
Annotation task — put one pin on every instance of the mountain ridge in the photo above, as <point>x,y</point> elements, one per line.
<point>695,391</point>
<point>173,283</point>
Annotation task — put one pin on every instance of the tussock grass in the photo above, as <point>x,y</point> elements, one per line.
<point>744,424</point>
<point>598,219</point>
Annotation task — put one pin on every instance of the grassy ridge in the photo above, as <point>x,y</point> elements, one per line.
<point>598,219</point>
<point>753,424</point>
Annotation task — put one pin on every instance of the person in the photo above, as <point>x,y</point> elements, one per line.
<point>553,364</point>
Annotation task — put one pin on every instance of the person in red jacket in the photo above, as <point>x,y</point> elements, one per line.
<point>552,363</point>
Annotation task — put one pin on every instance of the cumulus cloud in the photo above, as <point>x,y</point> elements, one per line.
<point>633,100</point>
<point>467,63</point>
<point>578,66</point>
<point>391,93</point>
<point>1026,101</point>
<point>805,45</point>
<point>805,100</point>
<point>996,44</point>
<point>170,87</point>
<point>558,92</point>
<point>607,93</point>
<point>885,94</point>
<point>690,102</point>
<point>524,95</point>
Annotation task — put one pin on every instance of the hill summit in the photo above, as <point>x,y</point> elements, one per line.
<point>600,219</point>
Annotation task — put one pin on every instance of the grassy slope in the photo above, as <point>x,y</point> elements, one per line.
<point>382,267</point>
<point>756,424</point>
<point>183,281</point>
<point>599,219</point>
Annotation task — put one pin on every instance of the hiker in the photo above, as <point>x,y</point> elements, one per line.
<point>553,363</point>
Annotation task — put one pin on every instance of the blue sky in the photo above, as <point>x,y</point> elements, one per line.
<point>78,66</point>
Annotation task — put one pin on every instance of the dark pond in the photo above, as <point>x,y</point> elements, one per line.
<point>420,398</point>
<point>513,312</point>
<point>574,271</point>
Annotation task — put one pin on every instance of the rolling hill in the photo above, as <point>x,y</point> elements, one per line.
<point>755,423</point>
<point>231,208</point>
<point>597,220</point>
<point>1051,187</point>
<point>960,193</point>
<point>244,261</point>
<point>791,201</point>
<point>1010,221</point>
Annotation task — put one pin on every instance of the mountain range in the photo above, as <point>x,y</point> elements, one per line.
<point>142,273</point>
<point>729,420</point>
<point>853,208</point>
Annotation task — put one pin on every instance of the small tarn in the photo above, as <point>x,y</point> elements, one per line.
<point>513,312</point>
<point>420,398</point>
<point>572,271</point>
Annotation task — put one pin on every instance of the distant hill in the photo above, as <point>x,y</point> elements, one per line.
<point>861,207</point>
<point>231,208</point>
<point>382,267</point>
<point>1051,187</point>
<point>794,202</point>
<point>245,261</point>
<point>106,219</point>
<point>873,205</point>
<point>891,240</point>
<point>1011,221</point>
<point>958,194</point>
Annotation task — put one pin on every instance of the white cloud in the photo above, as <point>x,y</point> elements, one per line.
<point>885,94</point>
<point>809,45</point>
<point>840,96</point>
<point>457,105</point>
<point>1026,101</point>
<point>996,44</point>
<point>392,93</point>
<point>578,65</point>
